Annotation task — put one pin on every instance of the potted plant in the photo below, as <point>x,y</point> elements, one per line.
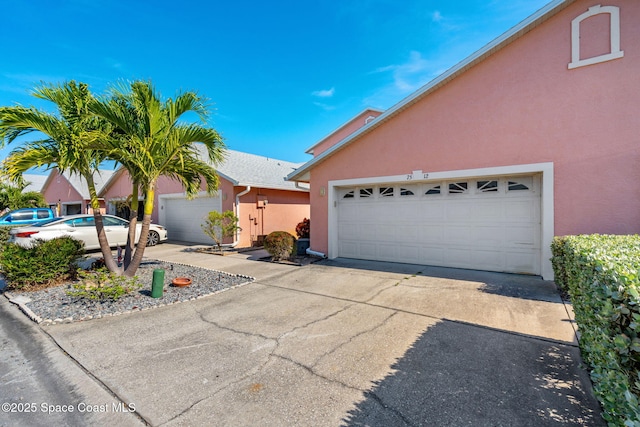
<point>302,230</point>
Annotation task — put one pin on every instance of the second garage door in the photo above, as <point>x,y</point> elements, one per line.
<point>485,224</point>
<point>184,218</point>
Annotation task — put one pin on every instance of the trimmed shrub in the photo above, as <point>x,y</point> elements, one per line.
<point>601,275</point>
<point>280,245</point>
<point>46,263</point>
<point>303,229</point>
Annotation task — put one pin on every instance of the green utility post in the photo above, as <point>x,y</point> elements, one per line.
<point>158,283</point>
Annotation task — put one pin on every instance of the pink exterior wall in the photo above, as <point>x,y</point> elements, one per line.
<point>344,131</point>
<point>522,105</point>
<point>284,210</point>
<point>120,188</point>
<point>59,190</point>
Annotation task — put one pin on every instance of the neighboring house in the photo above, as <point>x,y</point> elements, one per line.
<point>535,135</point>
<point>254,187</point>
<point>68,194</point>
<point>34,182</point>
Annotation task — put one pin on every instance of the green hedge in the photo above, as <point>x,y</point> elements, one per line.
<point>4,235</point>
<point>46,263</point>
<point>600,273</point>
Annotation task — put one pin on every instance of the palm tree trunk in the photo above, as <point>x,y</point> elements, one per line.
<point>109,262</point>
<point>144,232</point>
<point>133,222</point>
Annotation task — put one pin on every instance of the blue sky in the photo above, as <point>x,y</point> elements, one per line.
<point>281,75</point>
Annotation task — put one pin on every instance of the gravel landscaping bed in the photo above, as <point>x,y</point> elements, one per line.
<point>53,305</point>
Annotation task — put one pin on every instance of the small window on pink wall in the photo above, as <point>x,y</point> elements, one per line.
<point>595,36</point>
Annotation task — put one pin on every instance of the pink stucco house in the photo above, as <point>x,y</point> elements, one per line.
<point>254,187</point>
<point>535,135</point>
<point>68,194</point>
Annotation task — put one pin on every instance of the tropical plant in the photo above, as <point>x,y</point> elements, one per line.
<point>103,285</point>
<point>152,139</point>
<point>13,196</point>
<point>220,225</point>
<point>303,229</point>
<point>62,140</point>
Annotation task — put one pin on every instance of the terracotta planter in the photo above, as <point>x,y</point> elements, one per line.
<point>181,282</point>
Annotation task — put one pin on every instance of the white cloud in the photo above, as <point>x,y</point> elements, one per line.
<point>324,93</point>
<point>113,63</point>
<point>410,75</point>
<point>436,16</point>
<point>325,107</point>
<point>406,78</point>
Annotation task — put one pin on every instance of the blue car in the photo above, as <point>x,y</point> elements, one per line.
<point>26,216</point>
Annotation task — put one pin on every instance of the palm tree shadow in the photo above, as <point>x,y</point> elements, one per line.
<point>458,374</point>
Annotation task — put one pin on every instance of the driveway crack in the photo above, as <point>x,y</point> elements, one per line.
<point>327,317</point>
<point>316,374</point>
<point>359,334</point>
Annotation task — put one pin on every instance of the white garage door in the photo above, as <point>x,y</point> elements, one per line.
<point>485,224</point>
<point>184,218</point>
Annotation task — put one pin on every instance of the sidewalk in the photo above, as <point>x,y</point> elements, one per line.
<point>236,263</point>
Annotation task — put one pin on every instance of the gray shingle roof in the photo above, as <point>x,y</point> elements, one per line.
<point>241,169</point>
<point>250,169</point>
<point>35,182</point>
<point>80,185</point>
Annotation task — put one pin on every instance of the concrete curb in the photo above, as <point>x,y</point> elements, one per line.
<point>22,300</point>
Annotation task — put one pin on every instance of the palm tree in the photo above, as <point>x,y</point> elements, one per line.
<point>63,141</point>
<point>154,141</point>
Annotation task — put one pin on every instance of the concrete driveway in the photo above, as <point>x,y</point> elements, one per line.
<point>345,343</point>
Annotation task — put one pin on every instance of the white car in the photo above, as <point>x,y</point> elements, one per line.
<point>83,228</point>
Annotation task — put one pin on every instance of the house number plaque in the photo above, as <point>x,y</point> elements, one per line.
<point>415,175</point>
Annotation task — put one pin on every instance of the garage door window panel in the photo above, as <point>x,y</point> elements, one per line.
<point>365,193</point>
<point>458,187</point>
<point>433,190</point>
<point>405,192</point>
<point>521,184</point>
<point>487,186</point>
<point>386,191</point>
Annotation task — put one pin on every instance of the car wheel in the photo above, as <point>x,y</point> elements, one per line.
<point>153,239</point>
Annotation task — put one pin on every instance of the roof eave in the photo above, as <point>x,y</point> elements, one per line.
<point>272,187</point>
<point>113,178</point>
<point>310,149</point>
<point>498,43</point>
